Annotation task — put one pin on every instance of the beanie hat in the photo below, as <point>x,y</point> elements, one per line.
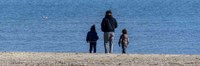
<point>108,11</point>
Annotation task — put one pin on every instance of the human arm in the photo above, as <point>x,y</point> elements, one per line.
<point>116,25</point>
<point>103,25</point>
<point>97,37</point>
<point>119,42</point>
<point>87,38</point>
<point>127,40</point>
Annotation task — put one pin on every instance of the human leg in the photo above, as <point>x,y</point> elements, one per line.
<point>94,47</point>
<point>123,49</point>
<point>111,38</point>
<point>106,41</point>
<point>110,47</point>
<point>90,50</point>
<point>105,46</point>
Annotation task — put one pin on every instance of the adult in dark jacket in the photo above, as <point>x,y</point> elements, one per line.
<point>108,26</point>
<point>92,38</point>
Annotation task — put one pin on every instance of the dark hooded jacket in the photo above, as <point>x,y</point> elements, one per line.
<point>108,24</point>
<point>92,34</point>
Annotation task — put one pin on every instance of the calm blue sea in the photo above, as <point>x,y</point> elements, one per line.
<point>154,26</point>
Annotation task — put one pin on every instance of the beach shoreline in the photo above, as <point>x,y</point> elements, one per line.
<point>99,59</point>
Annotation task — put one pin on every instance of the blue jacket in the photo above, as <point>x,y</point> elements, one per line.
<point>108,25</point>
<point>92,36</point>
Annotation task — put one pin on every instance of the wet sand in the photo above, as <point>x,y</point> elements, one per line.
<point>86,59</point>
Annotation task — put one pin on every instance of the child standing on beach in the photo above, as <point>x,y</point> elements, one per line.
<point>92,38</point>
<point>124,40</point>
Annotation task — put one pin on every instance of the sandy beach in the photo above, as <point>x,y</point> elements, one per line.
<point>86,59</point>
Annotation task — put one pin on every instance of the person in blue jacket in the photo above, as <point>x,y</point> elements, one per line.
<point>108,26</point>
<point>92,38</point>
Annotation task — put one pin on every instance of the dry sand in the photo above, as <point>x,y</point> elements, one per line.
<point>86,59</point>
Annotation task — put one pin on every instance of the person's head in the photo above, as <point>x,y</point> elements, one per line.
<point>93,28</point>
<point>108,14</point>
<point>124,31</point>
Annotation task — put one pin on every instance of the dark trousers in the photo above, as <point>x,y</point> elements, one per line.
<point>123,48</point>
<point>93,47</point>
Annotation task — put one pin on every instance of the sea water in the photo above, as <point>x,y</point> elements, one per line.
<point>154,26</point>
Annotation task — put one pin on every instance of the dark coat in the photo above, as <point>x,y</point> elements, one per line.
<point>108,24</point>
<point>92,36</point>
